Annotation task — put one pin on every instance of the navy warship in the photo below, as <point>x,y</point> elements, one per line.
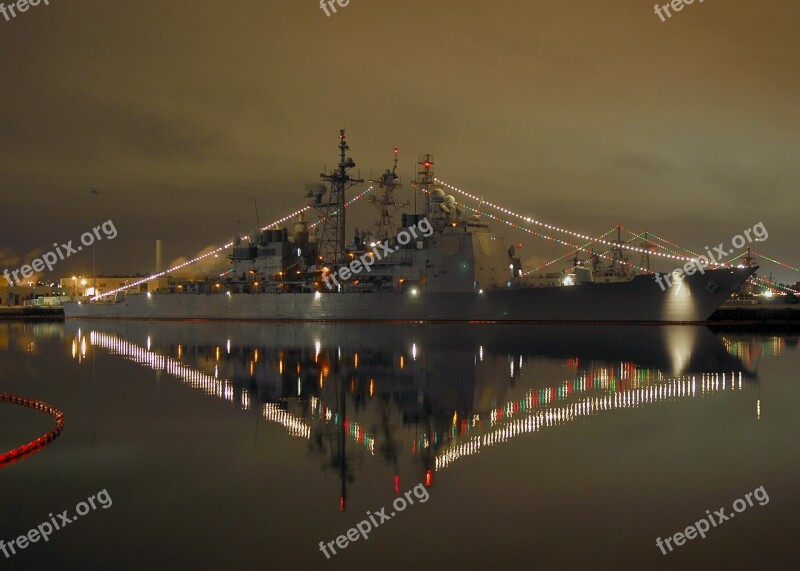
<point>439,264</point>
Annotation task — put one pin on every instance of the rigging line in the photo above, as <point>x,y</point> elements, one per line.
<point>785,265</point>
<point>544,236</point>
<point>569,253</point>
<point>215,251</point>
<point>530,220</point>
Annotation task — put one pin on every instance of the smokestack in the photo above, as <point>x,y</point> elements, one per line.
<point>159,256</point>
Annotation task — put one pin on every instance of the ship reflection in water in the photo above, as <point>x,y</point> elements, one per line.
<point>426,396</point>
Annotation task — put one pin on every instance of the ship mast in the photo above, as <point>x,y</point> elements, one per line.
<point>647,247</point>
<point>426,178</point>
<point>616,262</point>
<point>332,239</point>
<point>386,204</point>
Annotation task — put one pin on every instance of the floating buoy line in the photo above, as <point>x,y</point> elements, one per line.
<point>34,446</point>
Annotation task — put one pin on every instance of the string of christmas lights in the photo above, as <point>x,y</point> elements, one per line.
<point>193,260</point>
<point>774,287</point>
<point>348,203</point>
<point>530,220</point>
<point>551,262</point>
<point>673,244</point>
<point>602,255</point>
<point>785,265</point>
<point>673,255</point>
<point>649,235</point>
<point>218,250</point>
<point>720,263</point>
<point>546,237</point>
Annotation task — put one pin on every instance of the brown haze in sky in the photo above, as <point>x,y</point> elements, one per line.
<point>583,114</point>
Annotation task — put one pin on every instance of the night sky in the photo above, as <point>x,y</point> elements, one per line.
<point>580,113</point>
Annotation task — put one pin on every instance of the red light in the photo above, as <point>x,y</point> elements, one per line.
<point>428,478</point>
<point>397,484</point>
<point>341,503</point>
<point>519,245</point>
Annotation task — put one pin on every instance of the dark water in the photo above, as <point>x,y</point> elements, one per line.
<point>242,446</point>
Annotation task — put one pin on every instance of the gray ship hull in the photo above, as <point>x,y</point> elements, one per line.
<point>640,300</point>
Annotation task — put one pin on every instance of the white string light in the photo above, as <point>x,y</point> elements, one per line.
<point>530,220</point>
<point>217,250</point>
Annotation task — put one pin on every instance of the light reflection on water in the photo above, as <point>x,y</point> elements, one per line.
<point>468,398</point>
<point>377,405</point>
<point>598,389</point>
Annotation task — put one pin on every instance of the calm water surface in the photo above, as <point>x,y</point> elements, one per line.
<point>242,446</point>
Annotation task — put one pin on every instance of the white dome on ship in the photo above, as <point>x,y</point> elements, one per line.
<point>437,195</point>
<point>450,200</point>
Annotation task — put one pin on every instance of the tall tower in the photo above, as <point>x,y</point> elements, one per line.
<point>426,176</point>
<point>333,212</point>
<point>159,256</point>
<point>386,205</point>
